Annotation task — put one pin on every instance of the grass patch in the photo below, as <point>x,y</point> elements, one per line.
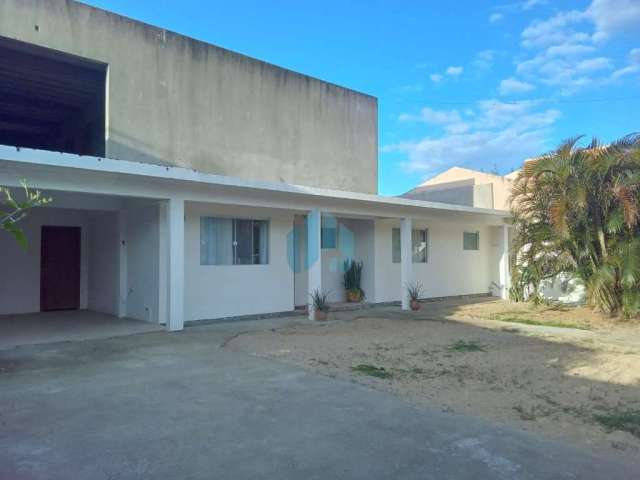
<point>628,421</point>
<point>372,371</point>
<point>470,346</point>
<point>511,318</point>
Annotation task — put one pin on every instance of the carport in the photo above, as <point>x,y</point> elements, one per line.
<point>91,270</point>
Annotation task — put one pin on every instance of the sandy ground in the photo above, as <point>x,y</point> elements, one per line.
<point>463,357</point>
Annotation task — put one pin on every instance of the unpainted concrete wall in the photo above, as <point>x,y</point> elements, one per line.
<point>177,101</point>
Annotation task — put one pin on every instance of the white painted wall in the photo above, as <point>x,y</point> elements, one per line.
<point>143,271</point>
<point>20,282</point>
<point>449,271</point>
<point>103,268</point>
<point>355,240</point>
<point>217,291</point>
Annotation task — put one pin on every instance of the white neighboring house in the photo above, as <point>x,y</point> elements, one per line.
<point>223,188</point>
<point>463,186</point>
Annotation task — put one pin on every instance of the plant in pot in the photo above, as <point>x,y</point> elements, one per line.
<point>320,304</point>
<point>415,290</point>
<point>352,278</point>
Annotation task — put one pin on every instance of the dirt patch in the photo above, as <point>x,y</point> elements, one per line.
<point>577,385</point>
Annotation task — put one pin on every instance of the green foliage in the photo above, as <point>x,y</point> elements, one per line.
<point>352,276</point>
<point>320,300</point>
<point>628,421</point>
<point>577,210</point>
<point>415,291</point>
<point>372,371</point>
<point>464,346</point>
<point>12,211</point>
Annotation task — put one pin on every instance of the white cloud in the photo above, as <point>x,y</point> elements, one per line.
<point>625,71</point>
<point>569,50</point>
<point>454,71</point>
<point>529,4</point>
<point>510,86</point>
<point>614,17</point>
<point>592,64</point>
<point>450,120</point>
<point>436,77</point>
<point>632,68</point>
<point>495,17</point>
<point>502,132</point>
<point>484,60</point>
<point>555,30</point>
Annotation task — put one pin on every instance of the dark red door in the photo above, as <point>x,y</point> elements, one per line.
<point>60,268</point>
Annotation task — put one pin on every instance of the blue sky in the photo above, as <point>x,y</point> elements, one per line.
<point>471,83</point>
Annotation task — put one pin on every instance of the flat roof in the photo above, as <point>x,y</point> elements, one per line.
<point>124,167</point>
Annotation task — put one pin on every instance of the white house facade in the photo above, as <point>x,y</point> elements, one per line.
<point>191,183</point>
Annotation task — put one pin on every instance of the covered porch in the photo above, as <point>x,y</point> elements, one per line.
<point>190,246</point>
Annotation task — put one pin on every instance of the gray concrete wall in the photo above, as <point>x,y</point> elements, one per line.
<point>177,101</point>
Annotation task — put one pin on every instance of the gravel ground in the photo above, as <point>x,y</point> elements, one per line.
<point>471,357</point>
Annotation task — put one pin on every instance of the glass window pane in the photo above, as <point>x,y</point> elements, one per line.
<point>260,242</point>
<point>395,245</point>
<point>329,233</point>
<point>243,242</point>
<point>216,241</point>
<point>471,241</point>
<point>419,246</point>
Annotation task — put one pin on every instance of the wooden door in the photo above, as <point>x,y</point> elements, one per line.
<point>60,268</point>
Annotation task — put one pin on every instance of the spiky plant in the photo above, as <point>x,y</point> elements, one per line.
<point>352,276</point>
<point>577,210</point>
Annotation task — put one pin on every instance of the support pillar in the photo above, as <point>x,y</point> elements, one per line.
<point>314,256</point>
<point>406,261</point>
<point>503,267</point>
<point>123,287</point>
<point>175,250</point>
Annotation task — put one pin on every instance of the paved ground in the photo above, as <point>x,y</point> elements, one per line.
<point>47,327</point>
<point>178,406</point>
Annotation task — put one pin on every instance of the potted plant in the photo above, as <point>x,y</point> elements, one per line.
<point>415,291</point>
<point>352,280</point>
<point>320,305</point>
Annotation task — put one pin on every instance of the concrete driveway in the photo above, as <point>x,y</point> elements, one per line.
<point>179,406</point>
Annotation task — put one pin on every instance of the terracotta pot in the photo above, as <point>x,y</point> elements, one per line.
<point>354,296</point>
<point>320,315</point>
<point>415,305</point>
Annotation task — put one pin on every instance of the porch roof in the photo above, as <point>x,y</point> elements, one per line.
<point>50,170</point>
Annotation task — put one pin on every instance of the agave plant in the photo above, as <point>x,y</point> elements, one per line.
<point>352,278</point>
<point>577,210</point>
<point>320,300</point>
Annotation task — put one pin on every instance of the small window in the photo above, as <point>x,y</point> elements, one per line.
<point>329,233</point>
<point>233,241</point>
<point>471,241</point>
<point>419,246</point>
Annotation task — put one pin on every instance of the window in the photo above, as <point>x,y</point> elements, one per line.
<point>419,246</point>
<point>329,233</point>
<point>471,241</point>
<point>233,241</point>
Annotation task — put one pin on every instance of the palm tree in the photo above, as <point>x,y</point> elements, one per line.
<point>577,210</point>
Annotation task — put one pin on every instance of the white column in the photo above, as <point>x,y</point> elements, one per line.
<point>122,267</point>
<point>406,261</point>
<point>175,250</point>
<point>314,256</point>
<point>503,267</point>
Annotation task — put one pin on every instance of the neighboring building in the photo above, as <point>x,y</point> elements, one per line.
<point>462,186</point>
<point>190,182</point>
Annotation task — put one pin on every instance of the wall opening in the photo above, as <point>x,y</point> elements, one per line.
<point>51,100</point>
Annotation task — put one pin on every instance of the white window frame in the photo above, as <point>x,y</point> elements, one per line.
<point>396,231</point>
<point>471,250</point>
<point>234,241</point>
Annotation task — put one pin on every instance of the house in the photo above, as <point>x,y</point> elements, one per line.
<point>190,182</point>
<point>462,186</point>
